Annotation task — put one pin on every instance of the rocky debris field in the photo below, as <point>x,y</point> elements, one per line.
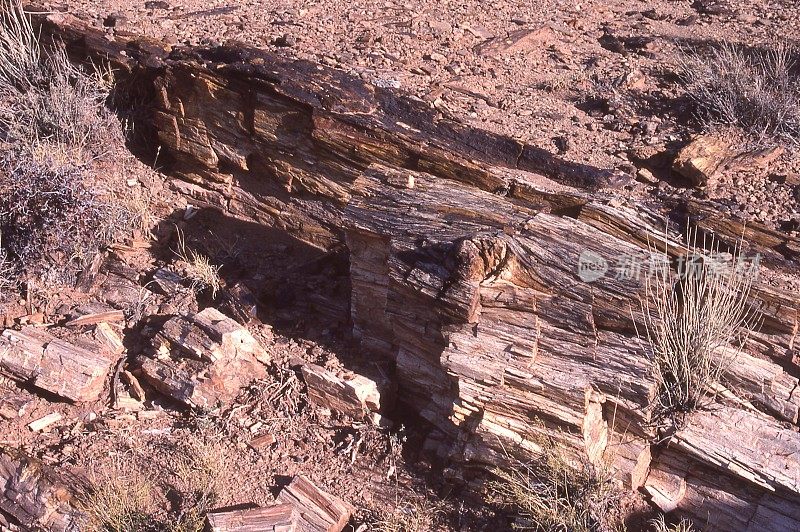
<point>127,384</point>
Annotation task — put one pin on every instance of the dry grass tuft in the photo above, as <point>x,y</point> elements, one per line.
<point>197,268</point>
<point>182,488</point>
<point>7,271</point>
<point>19,48</point>
<point>413,515</point>
<point>757,91</point>
<point>119,502</point>
<point>660,525</point>
<point>555,492</point>
<point>197,467</point>
<point>690,316</point>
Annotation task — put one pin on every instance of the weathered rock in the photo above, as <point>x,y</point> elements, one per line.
<point>276,518</point>
<point>37,357</point>
<point>702,160</point>
<point>204,359</point>
<point>355,397</point>
<point>317,510</point>
<point>500,300</point>
<point>35,496</point>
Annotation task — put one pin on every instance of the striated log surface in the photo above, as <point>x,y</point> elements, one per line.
<point>35,497</point>
<point>496,277</point>
<point>37,357</point>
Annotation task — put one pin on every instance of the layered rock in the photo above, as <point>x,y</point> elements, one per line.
<point>494,275</point>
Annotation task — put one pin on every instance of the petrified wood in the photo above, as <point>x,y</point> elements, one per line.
<point>464,251</point>
<point>36,357</point>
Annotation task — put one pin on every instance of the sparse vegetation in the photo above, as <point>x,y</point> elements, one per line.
<point>756,90</point>
<point>198,464</point>
<point>690,316</point>
<point>411,515</point>
<point>54,214</point>
<point>555,492</point>
<point>119,501</point>
<point>660,525</point>
<point>197,268</point>
<point>7,274</point>
<point>123,500</point>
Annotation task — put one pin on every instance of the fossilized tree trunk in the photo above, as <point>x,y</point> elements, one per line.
<point>464,250</point>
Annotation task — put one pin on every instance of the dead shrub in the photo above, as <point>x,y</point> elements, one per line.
<point>52,223</point>
<point>119,501</point>
<point>690,316</point>
<point>554,491</point>
<point>54,213</point>
<point>757,91</point>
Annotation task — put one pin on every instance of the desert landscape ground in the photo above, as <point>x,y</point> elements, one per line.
<point>399,266</point>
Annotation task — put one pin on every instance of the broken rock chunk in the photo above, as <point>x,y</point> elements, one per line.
<point>317,509</point>
<point>355,397</point>
<point>36,496</point>
<point>204,359</point>
<point>37,357</point>
<point>707,156</point>
<point>301,506</point>
<point>277,518</point>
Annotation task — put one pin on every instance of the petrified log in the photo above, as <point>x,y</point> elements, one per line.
<point>276,518</point>
<point>37,357</point>
<point>204,359</point>
<point>707,155</point>
<point>317,510</point>
<point>35,497</point>
<point>502,295</point>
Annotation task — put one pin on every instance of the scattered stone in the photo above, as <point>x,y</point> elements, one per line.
<point>42,423</point>
<point>706,156</point>
<point>436,57</point>
<point>14,403</point>
<point>98,317</point>
<point>516,41</point>
<point>646,176</point>
<point>156,4</point>
<point>106,335</point>
<point>286,41</point>
<point>317,509</point>
<point>355,397</point>
<point>38,358</point>
<point>713,7</point>
<point>610,42</point>
<point>115,20</point>
<point>562,144</point>
<point>265,440</point>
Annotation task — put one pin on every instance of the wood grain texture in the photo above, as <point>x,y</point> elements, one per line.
<point>37,357</point>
